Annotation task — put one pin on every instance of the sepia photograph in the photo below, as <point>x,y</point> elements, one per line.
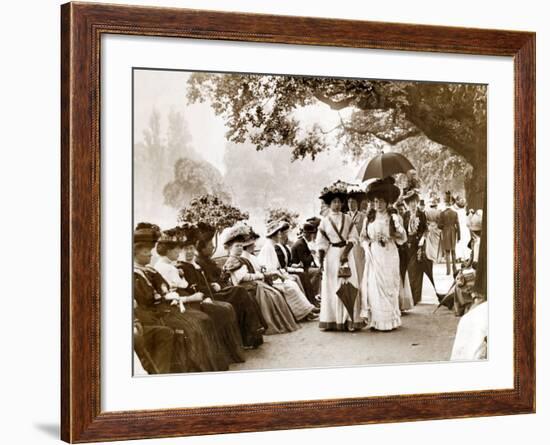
<point>298,222</point>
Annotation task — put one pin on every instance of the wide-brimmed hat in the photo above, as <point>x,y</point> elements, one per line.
<point>204,231</point>
<point>356,192</point>
<point>146,233</point>
<point>188,234</point>
<point>171,237</point>
<point>274,227</point>
<point>236,233</point>
<point>338,189</point>
<point>383,189</point>
<point>182,236</point>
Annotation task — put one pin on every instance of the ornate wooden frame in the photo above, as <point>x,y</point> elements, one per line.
<point>81,28</point>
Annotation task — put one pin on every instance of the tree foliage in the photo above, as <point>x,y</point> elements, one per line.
<point>262,109</point>
<point>213,211</point>
<point>193,178</point>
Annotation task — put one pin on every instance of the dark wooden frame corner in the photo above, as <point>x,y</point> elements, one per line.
<point>82,26</point>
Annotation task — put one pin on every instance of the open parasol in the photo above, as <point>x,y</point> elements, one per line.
<point>384,165</point>
<point>348,294</point>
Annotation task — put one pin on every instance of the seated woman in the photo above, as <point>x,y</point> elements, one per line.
<point>273,306</point>
<point>246,309</point>
<point>196,347</point>
<point>153,346</point>
<point>288,284</point>
<point>169,248</point>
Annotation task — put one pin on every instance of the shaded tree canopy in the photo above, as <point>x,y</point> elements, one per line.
<point>261,109</point>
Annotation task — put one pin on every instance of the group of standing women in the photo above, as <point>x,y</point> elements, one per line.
<point>375,251</point>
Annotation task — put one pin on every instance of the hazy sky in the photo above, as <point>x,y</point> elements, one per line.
<point>166,90</point>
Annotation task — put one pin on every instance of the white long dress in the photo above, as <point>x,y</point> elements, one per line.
<point>295,297</point>
<point>334,315</point>
<point>381,279</point>
<point>358,219</point>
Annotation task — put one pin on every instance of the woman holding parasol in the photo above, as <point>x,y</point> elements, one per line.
<point>336,236</point>
<point>381,234</point>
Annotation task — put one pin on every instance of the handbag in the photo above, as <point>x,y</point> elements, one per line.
<point>344,271</point>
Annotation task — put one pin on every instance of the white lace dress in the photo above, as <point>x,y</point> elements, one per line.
<point>381,279</point>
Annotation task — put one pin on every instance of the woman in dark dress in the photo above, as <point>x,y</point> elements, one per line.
<point>246,309</point>
<point>223,315</point>
<point>196,346</point>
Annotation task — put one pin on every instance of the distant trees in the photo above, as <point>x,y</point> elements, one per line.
<point>268,179</point>
<point>282,214</point>
<point>193,178</point>
<point>261,110</point>
<point>168,171</point>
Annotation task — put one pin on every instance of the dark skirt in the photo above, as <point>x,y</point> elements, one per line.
<point>249,318</point>
<point>197,347</point>
<point>155,348</point>
<point>225,322</point>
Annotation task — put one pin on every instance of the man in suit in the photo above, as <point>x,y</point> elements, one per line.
<point>414,222</point>
<point>450,233</point>
<point>301,254</point>
<point>284,254</point>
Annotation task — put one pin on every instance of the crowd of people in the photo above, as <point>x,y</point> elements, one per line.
<point>359,264</point>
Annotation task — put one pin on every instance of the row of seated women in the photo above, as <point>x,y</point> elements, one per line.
<point>192,316</point>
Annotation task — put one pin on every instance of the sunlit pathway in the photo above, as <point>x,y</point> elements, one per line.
<point>424,336</point>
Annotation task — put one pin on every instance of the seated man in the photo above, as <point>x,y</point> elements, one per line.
<point>301,254</point>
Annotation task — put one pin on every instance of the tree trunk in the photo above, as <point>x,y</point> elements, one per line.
<point>475,188</point>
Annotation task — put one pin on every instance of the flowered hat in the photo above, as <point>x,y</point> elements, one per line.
<point>356,192</point>
<point>236,233</point>
<point>338,189</point>
<point>204,231</point>
<point>383,189</point>
<point>183,235</point>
